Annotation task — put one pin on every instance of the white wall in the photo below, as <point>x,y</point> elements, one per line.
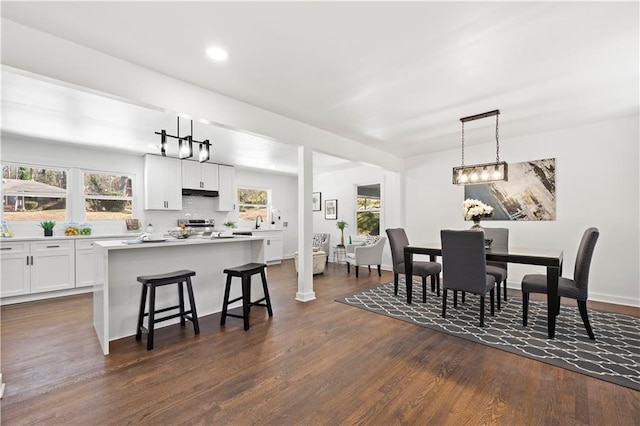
<point>341,186</point>
<point>597,184</point>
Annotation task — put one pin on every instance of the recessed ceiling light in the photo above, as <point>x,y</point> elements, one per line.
<point>217,54</point>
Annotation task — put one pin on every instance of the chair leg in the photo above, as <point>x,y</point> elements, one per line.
<point>582,306</point>
<point>455,298</point>
<point>266,292</point>
<point>525,308</point>
<point>464,293</point>
<point>424,289</point>
<point>192,305</point>
<point>143,303</point>
<point>357,267</point>
<point>438,284</point>
<point>482,311</point>
<point>498,290</point>
<point>369,266</point>
<point>504,283</point>
<point>225,301</point>
<point>152,317</point>
<point>395,283</point>
<point>246,300</point>
<point>444,302</point>
<point>379,270</point>
<point>348,268</point>
<point>558,306</point>
<point>491,296</point>
<point>181,304</point>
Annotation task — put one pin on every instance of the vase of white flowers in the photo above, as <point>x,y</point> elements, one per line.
<point>475,210</point>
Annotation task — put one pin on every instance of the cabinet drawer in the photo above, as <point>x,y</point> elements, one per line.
<point>84,245</point>
<point>51,245</point>
<point>14,248</point>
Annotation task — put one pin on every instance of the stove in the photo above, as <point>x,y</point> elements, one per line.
<point>202,227</point>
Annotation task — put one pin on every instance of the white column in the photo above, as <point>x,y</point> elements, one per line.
<point>305,225</point>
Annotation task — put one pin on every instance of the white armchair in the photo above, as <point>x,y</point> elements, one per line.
<point>369,253</point>
<point>323,242</point>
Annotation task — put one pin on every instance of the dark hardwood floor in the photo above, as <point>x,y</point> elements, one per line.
<point>320,362</point>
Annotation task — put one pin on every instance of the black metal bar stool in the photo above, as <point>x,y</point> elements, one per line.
<point>151,282</point>
<point>245,272</point>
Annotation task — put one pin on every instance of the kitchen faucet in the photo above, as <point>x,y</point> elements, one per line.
<point>257,224</point>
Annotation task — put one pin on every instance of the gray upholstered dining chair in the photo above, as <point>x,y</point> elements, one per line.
<point>576,288</point>
<point>500,241</point>
<point>398,241</point>
<point>464,268</point>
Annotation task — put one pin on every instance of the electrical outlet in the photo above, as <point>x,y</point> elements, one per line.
<point>285,224</point>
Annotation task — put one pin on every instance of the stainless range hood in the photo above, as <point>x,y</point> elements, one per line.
<point>199,192</point>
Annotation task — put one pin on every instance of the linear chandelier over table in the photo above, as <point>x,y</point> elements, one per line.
<point>481,173</point>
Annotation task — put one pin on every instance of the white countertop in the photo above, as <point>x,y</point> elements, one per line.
<point>71,237</point>
<point>123,244</point>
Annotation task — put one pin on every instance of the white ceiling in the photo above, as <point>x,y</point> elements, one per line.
<point>395,76</point>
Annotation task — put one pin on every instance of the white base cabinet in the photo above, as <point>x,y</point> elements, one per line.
<point>85,262</point>
<point>36,267</point>
<point>14,264</point>
<point>272,245</point>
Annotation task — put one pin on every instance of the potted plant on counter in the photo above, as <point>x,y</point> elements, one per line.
<point>48,226</point>
<point>229,224</point>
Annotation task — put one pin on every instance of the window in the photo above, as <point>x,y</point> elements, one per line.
<point>253,202</point>
<point>107,196</point>
<point>368,209</point>
<point>33,193</point>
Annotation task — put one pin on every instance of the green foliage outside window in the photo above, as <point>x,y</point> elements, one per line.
<point>368,209</point>
<point>253,203</point>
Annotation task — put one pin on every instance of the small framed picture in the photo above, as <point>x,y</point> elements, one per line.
<point>331,209</point>
<point>317,201</point>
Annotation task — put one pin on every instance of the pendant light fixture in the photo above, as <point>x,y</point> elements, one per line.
<point>185,145</point>
<point>481,173</point>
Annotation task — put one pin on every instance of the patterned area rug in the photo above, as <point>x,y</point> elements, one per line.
<point>614,356</point>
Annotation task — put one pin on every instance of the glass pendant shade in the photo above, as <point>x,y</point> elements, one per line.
<point>163,143</point>
<point>186,148</point>
<point>204,151</point>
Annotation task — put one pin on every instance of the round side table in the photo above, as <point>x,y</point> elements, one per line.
<point>339,254</point>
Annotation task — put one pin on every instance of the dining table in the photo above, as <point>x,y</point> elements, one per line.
<point>548,257</point>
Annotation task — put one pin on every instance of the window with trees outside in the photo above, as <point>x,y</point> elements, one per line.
<point>34,193</point>
<point>368,209</point>
<point>253,202</point>
<point>107,196</point>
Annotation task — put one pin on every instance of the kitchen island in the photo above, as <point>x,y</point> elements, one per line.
<point>116,294</point>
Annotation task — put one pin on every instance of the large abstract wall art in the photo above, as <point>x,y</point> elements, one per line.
<point>529,194</point>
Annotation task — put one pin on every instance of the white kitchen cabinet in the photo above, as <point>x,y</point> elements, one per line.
<point>272,245</point>
<point>14,258</point>
<point>227,188</point>
<point>202,176</point>
<point>37,267</point>
<point>85,262</point>
<point>162,183</point>
<point>52,265</point>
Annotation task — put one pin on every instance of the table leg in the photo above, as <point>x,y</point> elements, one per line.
<point>552,299</point>
<point>408,277</point>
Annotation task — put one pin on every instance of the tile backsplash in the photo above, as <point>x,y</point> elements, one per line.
<point>192,208</point>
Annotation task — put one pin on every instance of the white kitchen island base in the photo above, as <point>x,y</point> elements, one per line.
<point>116,295</point>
